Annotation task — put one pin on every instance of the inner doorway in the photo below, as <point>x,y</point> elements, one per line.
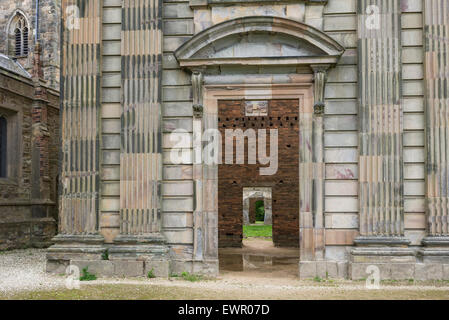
<point>241,186</point>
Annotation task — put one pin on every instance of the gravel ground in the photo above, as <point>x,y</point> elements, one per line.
<point>24,270</point>
<point>22,273</point>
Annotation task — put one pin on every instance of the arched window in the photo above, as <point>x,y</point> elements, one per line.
<point>3,147</point>
<point>19,31</point>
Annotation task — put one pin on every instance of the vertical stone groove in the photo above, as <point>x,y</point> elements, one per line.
<point>436,29</point>
<point>140,158</point>
<point>80,86</point>
<point>380,112</point>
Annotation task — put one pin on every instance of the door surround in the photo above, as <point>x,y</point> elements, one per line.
<point>206,175</point>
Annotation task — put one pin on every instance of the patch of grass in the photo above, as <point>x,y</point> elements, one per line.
<point>87,276</point>
<point>150,274</point>
<point>247,292</point>
<point>191,277</point>
<point>105,255</point>
<point>318,279</point>
<point>173,275</point>
<point>258,231</point>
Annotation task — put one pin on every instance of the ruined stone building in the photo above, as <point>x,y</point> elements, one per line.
<point>351,96</point>
<point>29,122</point>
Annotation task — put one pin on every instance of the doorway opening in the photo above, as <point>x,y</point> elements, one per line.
<point>258,214</point>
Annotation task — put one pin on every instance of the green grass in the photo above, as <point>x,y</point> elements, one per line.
<point>191,277</point>
<point>87,276</point>
<point>258,231</point>
<point>158,292</point>
<point>151,274</point>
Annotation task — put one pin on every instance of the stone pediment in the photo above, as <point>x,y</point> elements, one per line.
<point>259,41</point>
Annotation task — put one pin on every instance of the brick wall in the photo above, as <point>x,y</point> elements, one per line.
<point>282,115</point>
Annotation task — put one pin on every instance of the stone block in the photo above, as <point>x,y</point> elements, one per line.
<point>207,268</point>
<point>321,269</point>
<point>100,268</point>
<point>332,269</point>
<point>358,271</point>
<point>128,268</point>
<point>342,269</point>
<point>402,271</point>
<point>307,269</point>
<point>420,272</point>
<point>434,271</point>
<point>445,272</point>
<point>160,268</point>
<point>56,266</point>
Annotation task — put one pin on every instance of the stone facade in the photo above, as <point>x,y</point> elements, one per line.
<point>28,190</point>
<point>368,75</point>
<point>49,29</point>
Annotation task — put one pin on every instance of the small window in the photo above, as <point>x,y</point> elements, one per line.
<point>19,30</point>
<point>3,147</point>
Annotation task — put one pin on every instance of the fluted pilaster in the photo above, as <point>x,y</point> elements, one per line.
<point>141,154</point>
<point>80,118</point>
<point>380,112</point>
<point>436,28</point>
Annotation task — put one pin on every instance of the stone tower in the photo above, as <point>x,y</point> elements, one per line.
<point>20,15</point>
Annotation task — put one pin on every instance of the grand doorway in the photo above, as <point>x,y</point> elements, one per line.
<point>243,122</point>
<point>229,72</point>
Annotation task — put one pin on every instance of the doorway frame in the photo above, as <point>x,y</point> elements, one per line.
<point>310,171</point>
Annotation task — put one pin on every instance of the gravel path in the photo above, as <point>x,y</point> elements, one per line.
<point>24,270</point>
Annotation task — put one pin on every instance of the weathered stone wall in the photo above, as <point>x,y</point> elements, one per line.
<point>344,131</point>
<point>49,28</point>
<point>27,220</point>
<point>110,119</point>
<point>413,88</point>
<point>177,113</point>
<point>341,131</point>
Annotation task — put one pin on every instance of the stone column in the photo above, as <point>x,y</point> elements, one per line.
<point>381,204</point>
<point>80,129</point>
<point>141,137</point>
<point>436,30</point>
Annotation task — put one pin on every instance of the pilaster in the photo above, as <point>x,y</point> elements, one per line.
<point>78,234</point>
<point>381,201</point>
<point>141,137</point>
<point>436,37</point>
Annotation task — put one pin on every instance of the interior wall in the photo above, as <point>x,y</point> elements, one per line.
<point>283,115</point>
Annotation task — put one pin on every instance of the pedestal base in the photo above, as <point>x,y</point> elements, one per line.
<point>134,254</point>
<point>73,247</point>
<point>390,254</point>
